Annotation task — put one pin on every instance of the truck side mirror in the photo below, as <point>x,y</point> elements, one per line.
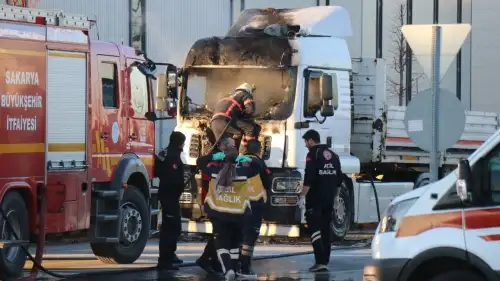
<point>161,93</point>
<point>464,183</point>
<point>172,82</point>
<point>326,87</point>
<point>328,94</point>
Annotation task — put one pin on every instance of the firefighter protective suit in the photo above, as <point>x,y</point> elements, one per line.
<point>237,110</point>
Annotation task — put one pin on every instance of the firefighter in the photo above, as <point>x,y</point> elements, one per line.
<point>322,177</point>
<point>208,260</point>
<point>170,170</point>
<point>237,110</point>
<point>227,203</point>
<point>258,197</point>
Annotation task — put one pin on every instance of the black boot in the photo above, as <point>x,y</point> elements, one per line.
<point>246,267</point>
<point>176,260</point>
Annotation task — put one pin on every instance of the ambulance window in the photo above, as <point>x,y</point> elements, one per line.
<point>108,73</point>
<point>138,92</point>
<point>312,99</point>
<point>494,167</point>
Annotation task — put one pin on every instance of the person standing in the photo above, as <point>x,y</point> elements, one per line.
<point>170,170</point>
<point>227,203</point>
<point>258,186</point>
<point>322,177</point>
<point>208,261</point>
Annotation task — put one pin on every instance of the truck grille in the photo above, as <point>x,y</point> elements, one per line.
<point>287,200</point>
<point>194,146</point>
<point>186,197</point>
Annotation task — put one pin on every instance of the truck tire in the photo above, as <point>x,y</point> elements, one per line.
<point>422,180</point>
<point>342,213</point>
<point>458,275</point>
<point>12,259</point>
<point>134,232</point>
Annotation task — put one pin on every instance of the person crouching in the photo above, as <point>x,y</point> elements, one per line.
<point>227,203</point>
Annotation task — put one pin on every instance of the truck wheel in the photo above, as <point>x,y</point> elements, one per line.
<point>341,213</point>
<point>134,231</point>
<point>422,180</point>
<point>458,275</point>
<point>12,259</point>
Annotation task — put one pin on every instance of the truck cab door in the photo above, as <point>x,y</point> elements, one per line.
<point>337,127</point>
<point>141,131</point>
<point>109,120</point>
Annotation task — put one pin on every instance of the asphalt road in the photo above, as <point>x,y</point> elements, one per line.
<point>346,263</point>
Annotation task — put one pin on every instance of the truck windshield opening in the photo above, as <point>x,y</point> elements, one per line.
<point>274,94</point>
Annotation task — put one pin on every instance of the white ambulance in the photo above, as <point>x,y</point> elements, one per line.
<point>446,231</point>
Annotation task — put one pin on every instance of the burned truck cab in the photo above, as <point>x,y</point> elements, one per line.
<point>297,88</point>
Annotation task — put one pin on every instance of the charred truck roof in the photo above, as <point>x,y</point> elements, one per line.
<point>260,37</point>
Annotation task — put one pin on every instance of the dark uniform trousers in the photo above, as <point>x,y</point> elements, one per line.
<point>227,235</point>
<point>319,220</point>
<point>170,229</point>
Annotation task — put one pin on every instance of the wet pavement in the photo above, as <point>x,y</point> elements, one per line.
<point>275,262</point>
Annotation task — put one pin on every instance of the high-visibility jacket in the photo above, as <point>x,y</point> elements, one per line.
<point>234,204</point>
<point>258,184</point>
<point>233,107</point>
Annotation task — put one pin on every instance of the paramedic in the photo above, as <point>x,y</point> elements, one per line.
<point>227,203</point>
<point>258,186</point>
<point>321,180</point>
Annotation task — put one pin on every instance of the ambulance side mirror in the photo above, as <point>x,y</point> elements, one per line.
<point>464,183</point>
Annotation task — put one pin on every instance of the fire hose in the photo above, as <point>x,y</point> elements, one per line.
<point>40,244</point>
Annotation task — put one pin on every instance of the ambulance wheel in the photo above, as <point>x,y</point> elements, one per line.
<point>134,231</point>
<point>342,213</point>
<point>12,259</point>
<point>458,275</point>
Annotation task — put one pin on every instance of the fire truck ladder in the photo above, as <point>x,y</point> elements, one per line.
<point>52,17</point>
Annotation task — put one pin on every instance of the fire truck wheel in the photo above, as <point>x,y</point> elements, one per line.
<point>134,232</point>
<point>342,210</point>
<point>12,259</point>
<point>458,275</point>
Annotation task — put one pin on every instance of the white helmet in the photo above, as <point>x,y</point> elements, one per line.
<point>246,87</point>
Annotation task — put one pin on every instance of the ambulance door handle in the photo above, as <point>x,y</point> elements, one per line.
<point>104,136</point>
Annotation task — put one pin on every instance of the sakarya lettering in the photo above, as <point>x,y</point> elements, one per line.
<point>21,101</point>
<point>20,123</point>
<point>21,78</point>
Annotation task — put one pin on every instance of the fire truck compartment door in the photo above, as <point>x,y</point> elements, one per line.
<point>66,110</point>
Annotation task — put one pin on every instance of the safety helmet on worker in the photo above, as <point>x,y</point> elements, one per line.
<point>249,88</point>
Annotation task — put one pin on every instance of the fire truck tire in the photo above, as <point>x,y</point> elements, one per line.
<point>12,259</point>
<point>342,212</point>
<point>458,275</point>
<point>133,202</point>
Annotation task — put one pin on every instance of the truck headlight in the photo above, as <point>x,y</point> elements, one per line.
<point>286,185</point>
<point>394,214</point>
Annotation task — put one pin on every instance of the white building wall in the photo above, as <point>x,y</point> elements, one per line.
<point>485,49</point>
<point>173,25</point>
<point>112,16</point>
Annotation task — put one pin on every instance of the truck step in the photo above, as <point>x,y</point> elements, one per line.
<point>106,193</point>
<point>107,217</point>
<point>13,243</point>
<point>155,212</point>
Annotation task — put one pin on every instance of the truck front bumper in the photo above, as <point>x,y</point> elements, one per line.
<point>384,270</point>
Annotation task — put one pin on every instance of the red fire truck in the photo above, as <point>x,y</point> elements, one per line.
<point>76,124</point>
